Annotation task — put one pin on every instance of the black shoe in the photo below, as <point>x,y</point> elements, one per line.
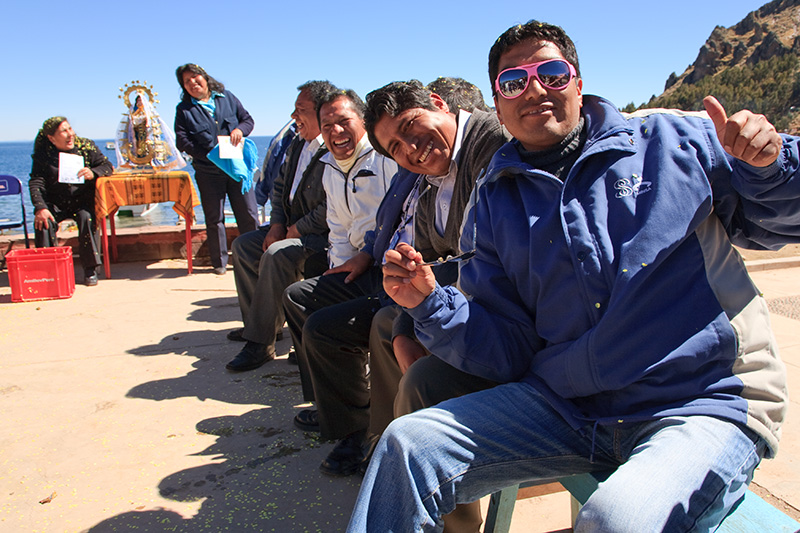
<point>347,456</point>
<point>220,271</point>
<point>252,356</point>
<point>372,441</point>
<point>235,335</point>
<point>90,277</point>
<point>292,358</point>
<point>307,420</point>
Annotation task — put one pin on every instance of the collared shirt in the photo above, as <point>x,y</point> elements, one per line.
<point>210,106</point>
<point>446,183</point>
<point>309,149</point>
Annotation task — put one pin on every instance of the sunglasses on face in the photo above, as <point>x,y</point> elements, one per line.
<point>554,74</point>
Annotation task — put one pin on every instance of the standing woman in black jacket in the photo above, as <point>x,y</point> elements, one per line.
<point>207,110</point>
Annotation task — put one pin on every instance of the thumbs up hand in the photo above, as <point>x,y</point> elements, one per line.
<point>745,135</point>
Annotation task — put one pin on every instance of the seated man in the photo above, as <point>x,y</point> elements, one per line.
<point>332,316</point>
<point>356,180</point>
<point>269,259</point>
<point>393,346</point>
<point>606,296</point>
<point>356,176</point>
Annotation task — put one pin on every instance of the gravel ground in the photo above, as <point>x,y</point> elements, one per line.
<point>788,306</point>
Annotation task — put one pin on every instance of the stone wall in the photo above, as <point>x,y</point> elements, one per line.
<point>147,243</point>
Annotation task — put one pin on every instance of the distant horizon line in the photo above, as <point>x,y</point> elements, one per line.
<point>98,139</point>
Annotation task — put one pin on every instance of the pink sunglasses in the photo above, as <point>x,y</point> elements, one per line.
<point>552,74</point>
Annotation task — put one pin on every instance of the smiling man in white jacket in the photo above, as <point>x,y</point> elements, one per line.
<point>356,177</point>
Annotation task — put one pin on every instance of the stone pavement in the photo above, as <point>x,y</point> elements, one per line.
<point>118,415</point>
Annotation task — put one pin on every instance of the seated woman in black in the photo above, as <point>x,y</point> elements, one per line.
<point>55,200</point>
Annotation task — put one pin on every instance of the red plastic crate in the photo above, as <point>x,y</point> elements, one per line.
<point>40,273</point>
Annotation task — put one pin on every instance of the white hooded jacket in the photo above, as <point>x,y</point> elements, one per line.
<point>353,200</point>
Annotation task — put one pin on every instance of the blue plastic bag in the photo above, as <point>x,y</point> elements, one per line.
<point>241,170</point>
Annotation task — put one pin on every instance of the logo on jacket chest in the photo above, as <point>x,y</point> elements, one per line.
<point>633,186</point>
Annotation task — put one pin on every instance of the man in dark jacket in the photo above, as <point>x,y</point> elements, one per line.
<point>269,259</point>
<point>606,296</point>
<point>332,337</point>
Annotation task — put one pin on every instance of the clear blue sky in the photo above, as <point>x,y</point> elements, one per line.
<point>71,58</point>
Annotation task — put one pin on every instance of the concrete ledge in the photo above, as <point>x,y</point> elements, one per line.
<point>146,243</point>
<point>771,264</point>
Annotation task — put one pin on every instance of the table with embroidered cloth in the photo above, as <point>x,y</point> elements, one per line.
<point>139,188</point>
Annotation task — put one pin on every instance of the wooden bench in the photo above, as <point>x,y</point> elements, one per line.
<point>751,515</point>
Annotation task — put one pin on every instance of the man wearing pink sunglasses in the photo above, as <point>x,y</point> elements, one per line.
<point>607,298</point>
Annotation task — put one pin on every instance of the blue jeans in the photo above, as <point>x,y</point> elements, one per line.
<point>672,474</point>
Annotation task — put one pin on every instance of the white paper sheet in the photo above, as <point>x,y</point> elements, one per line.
<point>68,167</point>
<point>229,151</point>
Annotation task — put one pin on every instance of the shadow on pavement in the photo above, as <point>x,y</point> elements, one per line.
<point>275,382</point>
<point>216,310</point>
<point>264,478</point>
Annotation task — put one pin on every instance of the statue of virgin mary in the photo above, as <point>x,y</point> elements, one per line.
<point>144,140</point>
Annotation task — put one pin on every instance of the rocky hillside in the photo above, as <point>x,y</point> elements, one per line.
<point>754,64</point>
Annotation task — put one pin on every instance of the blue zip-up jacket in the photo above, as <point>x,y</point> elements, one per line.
<point>273,160</point>
<point>196,130</point>
<point>387,218</point>
<point>617,293</point>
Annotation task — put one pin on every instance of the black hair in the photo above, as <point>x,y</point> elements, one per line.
<point>50,125</point>
<point>213,85</point>
<point>536,31</point>
<point>317,89</point>
<point>350,94</point>
<point>42,145</point>
<point>44,150</point>
<point>393,99</point>
<point>458,93</point>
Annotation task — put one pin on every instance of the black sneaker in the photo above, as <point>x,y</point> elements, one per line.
<point>252,356</point>
<point>369,447</point>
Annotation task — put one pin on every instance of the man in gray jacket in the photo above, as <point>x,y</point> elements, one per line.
<point>269,259</point>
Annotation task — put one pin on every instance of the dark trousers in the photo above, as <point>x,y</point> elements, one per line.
<point>426,382</point>
<point>330,322</point>
<point>213,186</point>
<point>261,277</point>
<point>88,241</point>
<point>385,374</point>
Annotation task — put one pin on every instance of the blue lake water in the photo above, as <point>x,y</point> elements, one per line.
<point>15,159</point>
